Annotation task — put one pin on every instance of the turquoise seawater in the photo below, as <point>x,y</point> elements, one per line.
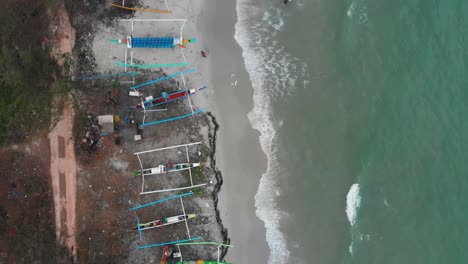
<point>382,106</point>
<point>411,60</point>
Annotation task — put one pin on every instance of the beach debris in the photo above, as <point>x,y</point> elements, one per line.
<point>106,122</point>
<point>90,134</point>
<point>111,97</point>
<point>203,54</point>
<point>129,74</point>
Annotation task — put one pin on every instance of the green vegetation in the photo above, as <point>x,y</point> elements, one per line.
<point>27,233</point>
<point>28,76</point>
<point>198,177</point>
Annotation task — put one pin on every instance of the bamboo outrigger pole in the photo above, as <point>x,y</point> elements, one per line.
<point>144,9</point>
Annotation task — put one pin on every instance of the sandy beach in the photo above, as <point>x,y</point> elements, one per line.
<point>229,97</point>
<point>239,154</point>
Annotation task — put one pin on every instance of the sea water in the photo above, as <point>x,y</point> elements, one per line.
<point>361,107</point>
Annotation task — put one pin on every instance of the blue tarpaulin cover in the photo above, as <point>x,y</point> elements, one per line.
<point>167,42</point>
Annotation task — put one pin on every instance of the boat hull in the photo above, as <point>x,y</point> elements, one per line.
<point>165,221</point>
<point>170,98</point>
<point>162,169</point>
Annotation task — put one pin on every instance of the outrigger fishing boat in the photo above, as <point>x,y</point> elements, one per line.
<point>170,167</point>
<point>188,165</point>
<point>169,41</point>
<point>133,92</point>
<point>154,43</point>
<point>167,98</point>
<point>165,221</point>
<point>183,217</point>
<point>170,254</point>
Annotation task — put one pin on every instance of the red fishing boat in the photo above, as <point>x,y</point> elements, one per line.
<point>167,98</point>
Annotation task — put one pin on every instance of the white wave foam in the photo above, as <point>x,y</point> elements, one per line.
<point>353,202</point>
<point>273,73</point>
<point>350,248</point>
<point>358,11</point>
<point>386,203</point>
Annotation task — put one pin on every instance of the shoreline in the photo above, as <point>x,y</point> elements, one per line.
<point>218,185</point>
<point>240,157</point>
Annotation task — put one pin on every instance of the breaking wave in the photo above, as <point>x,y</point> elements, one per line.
<point>353,202</point>
<point>273,73</point>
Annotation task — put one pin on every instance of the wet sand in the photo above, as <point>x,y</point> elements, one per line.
<point>239,155</point>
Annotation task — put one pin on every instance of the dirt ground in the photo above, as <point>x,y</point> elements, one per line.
<point>27,229</point>
<point>63,34</point>
<point>62,151</point>
<point>63,177</point>
<point>106,189</point>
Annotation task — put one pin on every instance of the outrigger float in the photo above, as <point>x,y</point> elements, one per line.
<point>160,170</point>
<point>167,98</point>
<point>144,9</point>
<point>164,221</point>
<point>169,254</point>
